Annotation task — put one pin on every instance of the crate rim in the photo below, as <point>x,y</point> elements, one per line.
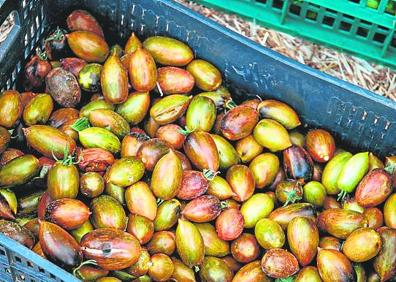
<point>283,59</point>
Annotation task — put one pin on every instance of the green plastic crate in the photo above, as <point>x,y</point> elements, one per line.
<point>362,27</point>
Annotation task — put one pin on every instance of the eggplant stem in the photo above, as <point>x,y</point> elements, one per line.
<point>210,174</point>
<point>41,54</point>
<point>342,195</point>
<point>259,97</point>
<point>56,36</point>
<point>196,268</point>
<point>391,168</point>
<point>292,197</point>
<point>186,131</point>
<point>223,205</point>
<point>230,104</point>
<point>87,262</point>
<point>159,201</point>
<point>81,124</point>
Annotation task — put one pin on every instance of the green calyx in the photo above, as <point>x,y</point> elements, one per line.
<point>41,54</point>
<point>230,104</point>
<point>342,195</point>
<point>210,174</point>
<point>81,124</point>
<point>56,36</point>
<point>76,271</point>
<point>391,168</point>
<point>68,159</point>
<point>186,131</point>
<point>292,197</point>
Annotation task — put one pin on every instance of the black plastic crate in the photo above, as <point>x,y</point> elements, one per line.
<point>357,117</point>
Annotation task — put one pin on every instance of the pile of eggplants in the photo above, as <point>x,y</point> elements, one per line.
<point>135,164</point>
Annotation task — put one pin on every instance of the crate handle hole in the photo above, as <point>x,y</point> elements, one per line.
<point>379,37</point>
<point>277,4</point>
<point>311,15</point>
<point>329,21</point>
<point>361,31</point>
<point>295,9</point>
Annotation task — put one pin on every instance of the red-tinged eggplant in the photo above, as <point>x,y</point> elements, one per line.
<point>228,156</point>
<point>88,46</point>
<point>272,135</point>
<point>303,239</point>
<point>214,246</point>
<point>241,181</point>
<point>17,232</point>
<point>186,164</point>
<point>89,77</point>
<point>38,110</point>
<point>193,185</point>
<point>135,108</point>
<point>280,176</point>
<point>162,242</point>
<point>95,105</point>
<point>61,116</point>
<point>19,171</point>
<point>131,143</point>
<point>94,159</point>
<point>248,148</point>
<point>44,201</point>
<point>374,188</point>
<point>330,243</point>
<point>389,211</point>
<point>362,245</point>
<point>334,266</point>
<point>73,65</point>
<point>239,122</point>
<point>59,246</point>
<point>308,274</point>
<point>5,138</point>
<point>314,193</point>
<point>182,272</point>
<point>280,112</point>
<point>330,203</point>
<point>269,234</point>
<point>215,269</point>
<point>202,209</point>
<point>140,227</point>
<point>189,243</point>
<point>151,151</point>
<point>67,213</point>
<point>36,69</point>
<point>232,263</point>
<point>202,151</point>
<point>375,217</point>
<point>114,81</point>
<point>63,86</point>
<point>279,263</point>
<point>385,262</point>
<point>63,179</point>
<point>49,141</point>
<point>167,176</point>
<point>284,215</point>
<point>9,154</point>
<point>10,108</point>
<point>161,267</point>
<point>340,223</point>
<point>220,188</point>
<point>167,215</point>
<point>297,164</point>
<point>245,248</point>
<point>112,249</point>
<point>251,272</point>
<point>201,114</point>
<point>125,172</point>
<point>264,168</point>
<point>171,133</point>
<point>207,76</point>
<point>229,224</point>
<point>141,200</point>
<point>91,184</point>
<point>56,45</point>
<point>132,44</point>
<point>80,232</point>
<point>107,212</point>
<point>168,51</point>
<point>320,145</point>
<point>142,70</point>
<point>352,204</point>
<point>173,80</point>
<point>169,109</point>
<point>142,266</point>
<point>82,20</point>
<point>258,206</point>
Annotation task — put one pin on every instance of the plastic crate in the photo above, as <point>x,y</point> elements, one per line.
<point>362,27</point>
<point>356,116</point>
